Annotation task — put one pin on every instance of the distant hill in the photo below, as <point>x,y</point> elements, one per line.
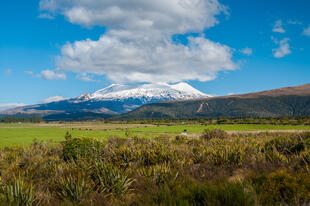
<point>104,103</point>
<point>288,101</point>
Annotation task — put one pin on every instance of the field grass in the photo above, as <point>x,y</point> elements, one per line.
<point>201,128</point>
<point>24,134</point>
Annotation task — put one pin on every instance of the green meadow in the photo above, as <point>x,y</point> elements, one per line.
<point>24,134</point>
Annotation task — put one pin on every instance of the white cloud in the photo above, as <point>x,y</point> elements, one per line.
<point>4,107</point>
<point>53,99</point>
<point>247,51</point>
<point>306,31</point>
<point>85,77</point>
<point>173,16</point>
<point>278,27</point>
<point>51,75</point>
<point>140,61</point>
<point>283,49</point>
<point>137,46</point>
<point>48,75</point>
<point>45,16</point>
<point>294,22</point>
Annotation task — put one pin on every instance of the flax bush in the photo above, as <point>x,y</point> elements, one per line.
<point>217,169</point>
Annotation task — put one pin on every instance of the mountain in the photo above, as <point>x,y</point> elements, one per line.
<point>112,100</point>
<point>288,101</point>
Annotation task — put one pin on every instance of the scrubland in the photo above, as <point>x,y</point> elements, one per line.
<point>214,168</point>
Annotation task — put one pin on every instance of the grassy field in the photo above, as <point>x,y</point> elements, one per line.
<point>24,134</point>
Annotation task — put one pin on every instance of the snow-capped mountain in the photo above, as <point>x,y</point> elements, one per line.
<point>148,92</point>
<point>112,100</point>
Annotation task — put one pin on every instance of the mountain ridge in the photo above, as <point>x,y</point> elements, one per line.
<point>287,101</point>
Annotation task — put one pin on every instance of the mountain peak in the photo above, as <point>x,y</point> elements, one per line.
<point>112,100</point>
<point>160,91</point>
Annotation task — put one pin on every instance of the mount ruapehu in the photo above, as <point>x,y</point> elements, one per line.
<point>113,100</point>
<point>178,101</point>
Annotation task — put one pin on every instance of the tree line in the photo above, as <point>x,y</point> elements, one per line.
<point>21,119</point>
<point>224,120</point>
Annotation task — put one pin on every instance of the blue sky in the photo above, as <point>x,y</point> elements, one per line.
<point>259,44</point>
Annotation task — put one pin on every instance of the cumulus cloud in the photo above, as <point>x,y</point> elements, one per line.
<point>53,99</point>
<point>52,75</point>
<point>85,77</point>
<point>4,107</point>
<point>306,31</point>
<point>48,75</point>
<point>137,46</point>
<point>283,49</point>
<point>247,51</point>
<point>278,27</point>
<point>139,61</point>
<point>173,16</point>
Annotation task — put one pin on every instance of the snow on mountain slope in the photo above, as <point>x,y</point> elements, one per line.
<point>148,91</point>
<point>112,100</point>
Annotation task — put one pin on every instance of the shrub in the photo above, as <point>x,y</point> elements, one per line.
<point>192,193</point>
<point>18,193</point>
<point>158,174</point>
<point>280,187</point>
<point>285,145</point>
<point>180,139</point>
<point>307,142</point>
<point>306,157</point>
<point>122,156</point>
<point>199,155</point>
<point>110,180</point>
<point>214,133</point>
<point>305,135</point>
<point>157,154</point>
<point>226,155</point>
<point>74,148</point>
<point>72,188</point>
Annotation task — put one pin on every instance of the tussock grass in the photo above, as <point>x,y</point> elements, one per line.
<point>214,169</point>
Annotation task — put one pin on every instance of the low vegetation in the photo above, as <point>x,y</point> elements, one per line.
<point>214,169</point>
<point>24,133</point>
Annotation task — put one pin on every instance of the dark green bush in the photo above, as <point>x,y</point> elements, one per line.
<point>280,187</point>
<point>74,148</point>
<point>285,145</point>
<point>192,193</point>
